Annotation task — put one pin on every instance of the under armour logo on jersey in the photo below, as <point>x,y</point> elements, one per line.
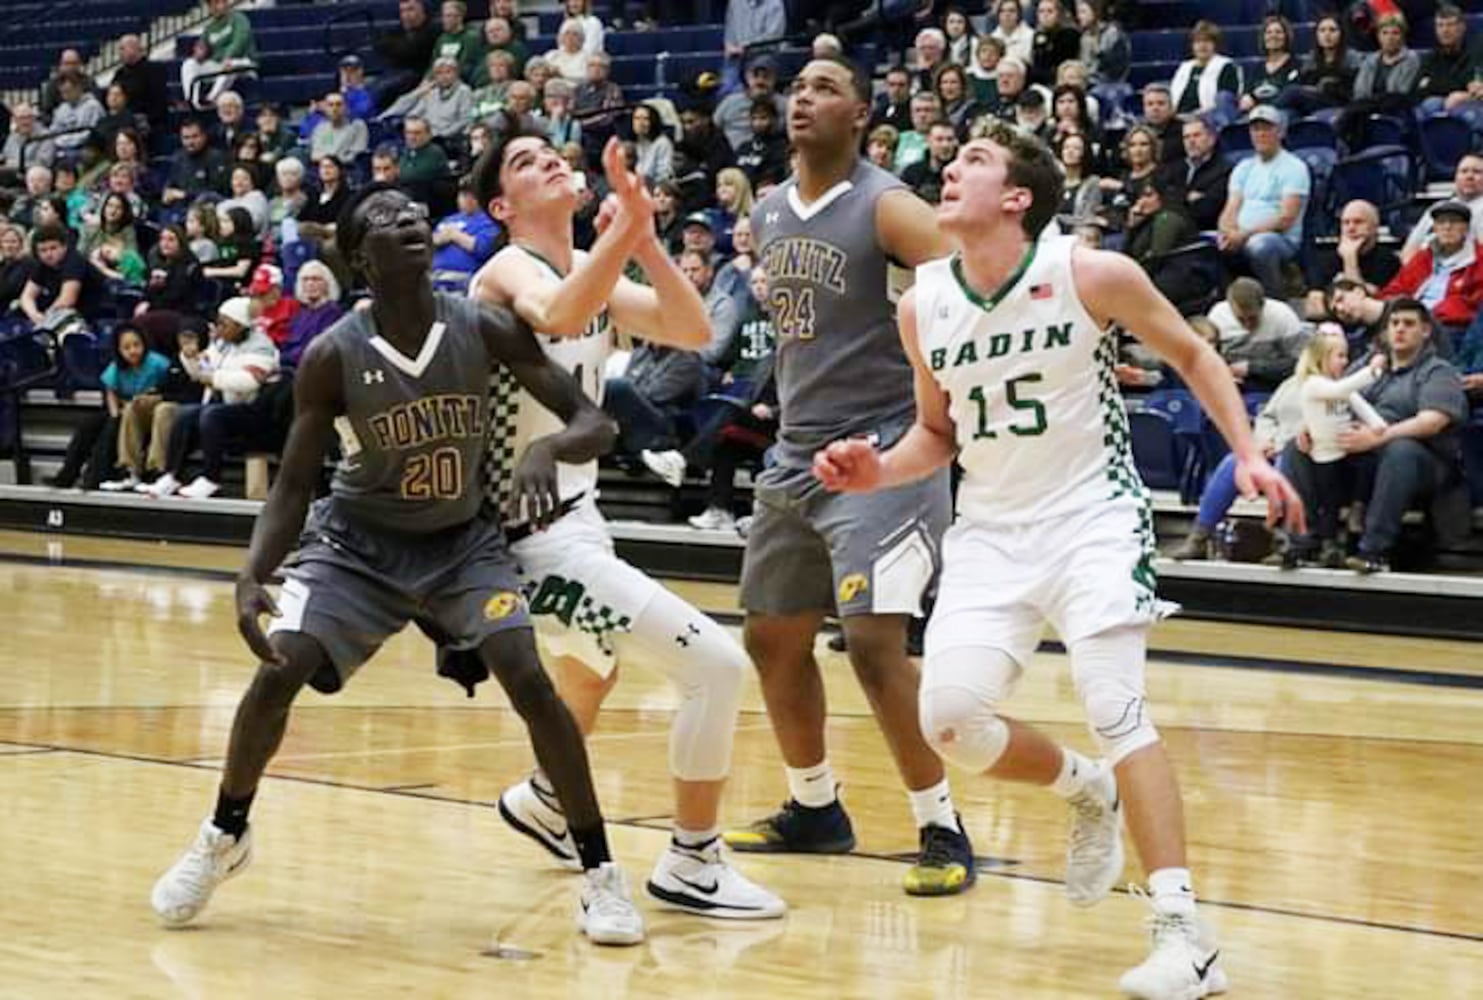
<point>377,376</point>
<point>771,218</point>
<point>690,632</point>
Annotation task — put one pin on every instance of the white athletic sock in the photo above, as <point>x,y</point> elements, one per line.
<point>694,838</point>
<point>812,786</point>
<point>1076,771</point>
<point>934,807</point>
<point>1173,891</point>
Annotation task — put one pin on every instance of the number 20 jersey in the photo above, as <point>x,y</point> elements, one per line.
<point>1041,429</point>
<point>840,367</point>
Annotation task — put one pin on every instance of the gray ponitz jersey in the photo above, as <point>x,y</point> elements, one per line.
<point>413,431</point>
<point>841,369</point>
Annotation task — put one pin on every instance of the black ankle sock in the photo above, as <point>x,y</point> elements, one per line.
<point>592,846</point>
<point>231,814</point>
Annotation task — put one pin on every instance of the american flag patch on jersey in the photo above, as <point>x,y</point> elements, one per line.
<point>1041,291</point>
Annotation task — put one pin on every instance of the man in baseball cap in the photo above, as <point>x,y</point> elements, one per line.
<point>272,312</point>
<point>1261,228</point>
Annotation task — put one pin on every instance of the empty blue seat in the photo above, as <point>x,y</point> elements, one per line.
<point>1156,450</point>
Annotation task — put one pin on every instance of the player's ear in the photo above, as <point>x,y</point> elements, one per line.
<point>1017,199</point>
<point>499,209</point>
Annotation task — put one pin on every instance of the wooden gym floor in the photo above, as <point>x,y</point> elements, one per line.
<point>1332,783</point>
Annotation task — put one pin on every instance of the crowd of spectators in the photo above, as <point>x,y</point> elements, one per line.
<point>1191,176</point>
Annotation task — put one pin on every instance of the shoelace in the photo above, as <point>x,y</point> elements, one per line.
<point>937,848</point>
<point>1165,929</point>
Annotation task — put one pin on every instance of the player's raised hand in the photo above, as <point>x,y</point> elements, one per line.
<point>254,601</point>
<point>1256,477</point>
<point>849,466</point>
<point>535,497</point>
<point>633,197</point>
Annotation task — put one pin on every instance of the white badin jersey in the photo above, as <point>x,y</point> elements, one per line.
<point>1041,429</point>
<point>516,418</point>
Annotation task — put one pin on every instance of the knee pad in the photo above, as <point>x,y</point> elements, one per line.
<point>958,706</point>
<point>1108,671</point>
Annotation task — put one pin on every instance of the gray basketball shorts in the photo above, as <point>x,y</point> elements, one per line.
<point>845,553</point>
<point>353,587</point>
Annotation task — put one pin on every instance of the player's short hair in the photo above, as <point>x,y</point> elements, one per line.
<point>1032,165</point>
<point>505,128</point>
<point>349,233</point>
<point>864,90</point>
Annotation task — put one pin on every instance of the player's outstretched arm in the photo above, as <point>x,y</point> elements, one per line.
<point>669,310</point>
<point>855,466</point>
<point>907,229</point>
<point>1116,290</point>
<point>318,400</point>
<point>588,431</point>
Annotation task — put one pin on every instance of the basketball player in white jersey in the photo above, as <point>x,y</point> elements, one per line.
<point>1012,345</point>
<point>593,611</point>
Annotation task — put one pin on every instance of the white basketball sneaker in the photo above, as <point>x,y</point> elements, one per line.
<point>1182,965</point>
<point>698,880</point>
<point>1094,850</point>
<point>183,891</point>
<point>536,813</point>
<point>605,910</point>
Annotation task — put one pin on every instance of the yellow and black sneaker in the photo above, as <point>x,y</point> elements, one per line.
<point>797,829</point>
<point>945,866</point>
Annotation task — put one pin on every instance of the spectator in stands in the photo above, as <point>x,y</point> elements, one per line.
<point>1199,181</point>
<point>70,61</point>
<point>591,25</point>
<point>1278,422</point>
<point>249,153</point>
<point>319,215</point>
<point>444,102</point>
<point>1069,113</point>
<point>1140,163</point>
<point>598,93</point>
<point>1158,224</point>
<point>1468,189</point>
<point>235,367</point>
<point>659,384</point>
<point>15,265</point>
<point>272,312</point>
<point>912,146</point>
<point>202,231</point>
<point>117,116</point>
<point>569,58</point>
<point>51,211</point>
<point>509,10</point>
<point>92,452</point>
<point>931,55</point>
<point>925,176</point>
<point>880,147</point>
<point>61,284</point>
<point>763,157</point>
<point>1158,115</point>
<point>121,181</point>
<point>892,106</point>
<point>275,137</point>
<point>144,82</point>
<point>128,151</point>
<point>458,41</point>
<point>499,69</point>
<point>290,197</point>
<point>1326,74</point>
<point>201,78</point>
<point>407,51</point>
<point>1386,81</point>
<point>425,172</point>
<point>1358,256</point>
<point>698,235</point>
<point>1011,29</point>
<point>228,33</point>
<point>237,248</point>
<point>734,113</point>
<point>561,127</point>
<point>734,200</point>
<point>64,186</point>
<point>702,148</point>
<point>960,34</point>
<point>1260,335</point>
<point>247,195</point>
<point>196,168</point>
<point>318,296</point>
<point>500,37</point>
<point>386,167</point>
<point>359,103</point>
<point>463,241</point>
<point>737,434</point>
<point>112,246</point>
<point>1208,81</point>
<point>520,99</point>
<point>731,277</point>
<point>39,181</point>
<point>1013,76</point>
<point>1414,458</point>
<point>1451,67</point>
<point>1032,113</point>
<point>24,146</point>
<point>537,72</point>
<point>749,23</point>
<point>173,284</point>
<point>1446,275</point>
<point>1106,48</point>
<point>1262,225</point>
<point>338,135</point>
<point>1081,192</point>
<point>954,97</point>
<point>1278,72</point>
<point>147,418</point>
<point>651,141</point>
<point>1468,357</point>
<point>1055,41</point>
<point>77,111</point>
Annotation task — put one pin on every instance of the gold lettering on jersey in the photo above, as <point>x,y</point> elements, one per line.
<point>998,345</point>
<point>432,418</point>
<point>801,258</point>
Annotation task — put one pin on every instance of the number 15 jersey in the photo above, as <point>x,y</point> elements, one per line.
<point>1041,429</point>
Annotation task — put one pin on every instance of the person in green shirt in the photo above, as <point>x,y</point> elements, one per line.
<point>228,33</point>
<point>459,41</point>
<point>500,36</point>
<point>422,160</point>
<point>499,67</point>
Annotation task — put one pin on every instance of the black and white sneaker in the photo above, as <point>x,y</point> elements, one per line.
<point>1183,963</point>
<point>536,813</point>
<point>698,880</point>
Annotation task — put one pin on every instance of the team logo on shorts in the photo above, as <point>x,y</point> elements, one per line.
<point>852,587</point>
<point>501,605</point>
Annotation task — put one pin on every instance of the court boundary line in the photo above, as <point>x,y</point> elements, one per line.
<point>638,823</point>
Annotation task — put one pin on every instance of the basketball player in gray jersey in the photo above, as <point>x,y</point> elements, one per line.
<point>404,536</point>
<point>826,239</point>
